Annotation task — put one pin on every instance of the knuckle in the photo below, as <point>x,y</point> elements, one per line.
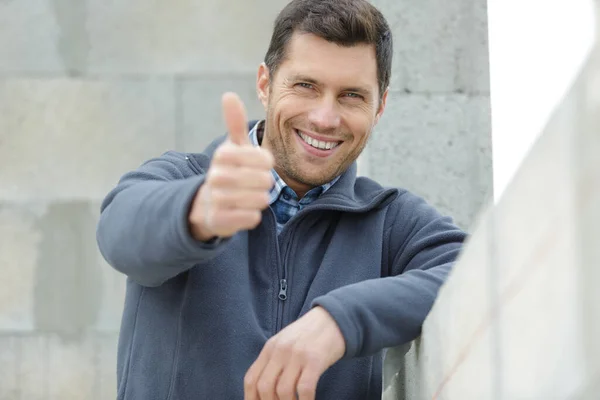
<point>263,387</point>
<point>255,219</point>
<point>221,177</point>
<point>213,175</point>
<point>312,359</point>
<point>211,220</point>
<point>306,387</point>
<point>284,390</point>
<point>218,197</point>
<point>266,179</point>
<point>265,199</point>
<point>302,354</point>
<point>195,219</point>
<point>271,345</point>
<point>217,213</point>
<point>226,154</point>
<point>285,346</point>
<point>221,153</point>
<point>249,380</point>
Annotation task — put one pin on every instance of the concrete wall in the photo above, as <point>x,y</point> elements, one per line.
<point>520,316</point>
<point>91,89</point>
<point>435,138</point>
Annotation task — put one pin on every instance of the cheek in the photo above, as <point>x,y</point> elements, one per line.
<point>361,128</point>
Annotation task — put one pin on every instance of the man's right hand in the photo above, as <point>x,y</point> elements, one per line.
<point>236,187</point>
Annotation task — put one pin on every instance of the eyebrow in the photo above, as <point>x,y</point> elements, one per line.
<point>355,89</point>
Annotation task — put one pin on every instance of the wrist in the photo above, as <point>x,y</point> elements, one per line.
<point>201,234</point>
<point>196,224</point>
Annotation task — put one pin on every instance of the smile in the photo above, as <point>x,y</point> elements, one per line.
<point>317,144</point>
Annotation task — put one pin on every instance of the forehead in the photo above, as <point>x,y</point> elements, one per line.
<point>310,55</point>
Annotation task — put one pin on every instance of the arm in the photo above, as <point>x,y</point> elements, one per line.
<point>155,223</point>
<point>143,230</point>
<point>390,311</point>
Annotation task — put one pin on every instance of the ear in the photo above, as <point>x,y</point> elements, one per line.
<point>262,84</point>
<point>382,104</point>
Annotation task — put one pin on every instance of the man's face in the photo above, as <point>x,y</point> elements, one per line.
<point>322,104</point>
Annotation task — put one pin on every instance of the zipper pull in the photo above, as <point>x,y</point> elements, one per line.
<point>282,289</point>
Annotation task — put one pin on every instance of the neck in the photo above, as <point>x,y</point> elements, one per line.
<point>299,188</point>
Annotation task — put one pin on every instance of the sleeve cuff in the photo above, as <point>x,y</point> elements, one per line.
<point>351,332</point>
<point>190,243</point>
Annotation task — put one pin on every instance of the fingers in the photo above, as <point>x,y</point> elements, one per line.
<point>307,383</point>
<point>225,223</point>
<point>268,379</point>
<point>225,177</point>
<point>235,119</point>
<point>292,362</point>
<point>281,378</point>
<point>240,199</point>
<point>254,157</point>
<point>283,371</point>
<point>236,187</point>
<point>286,387</point>
<point>262,379</point>
<point>254,374</point>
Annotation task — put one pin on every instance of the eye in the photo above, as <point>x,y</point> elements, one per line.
<point>305,85</point>
<point>354,95</point>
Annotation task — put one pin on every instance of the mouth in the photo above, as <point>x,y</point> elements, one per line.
<point>315,146</point>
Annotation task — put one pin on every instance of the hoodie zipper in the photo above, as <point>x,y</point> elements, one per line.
<point>282,258</point>
<point>281,275</point>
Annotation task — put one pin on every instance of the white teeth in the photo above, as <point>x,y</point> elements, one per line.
<point>318,143</point>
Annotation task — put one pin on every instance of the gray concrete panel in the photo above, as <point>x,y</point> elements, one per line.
<point>9,383</point>
<point>202,115</point>
<point>19,238</point>
<point>29,36</point>
<point>45,367</point>
<point>68,282</point>
<point>439,46</point>
<point>191,37</point>
<point>55,278</point>
<point>32,366</point>
<point>71,371</point>
<point>437,146</point>
<point>105,362</point>
<point>73,139</point>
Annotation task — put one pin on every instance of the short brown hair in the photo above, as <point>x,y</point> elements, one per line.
<point>343,22</point>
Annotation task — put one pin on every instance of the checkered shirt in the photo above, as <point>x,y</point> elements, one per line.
<point>283,200</point>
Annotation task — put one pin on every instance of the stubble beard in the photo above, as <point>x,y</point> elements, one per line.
<point>287,162</point>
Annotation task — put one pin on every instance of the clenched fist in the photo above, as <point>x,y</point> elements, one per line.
<point>236,187</point>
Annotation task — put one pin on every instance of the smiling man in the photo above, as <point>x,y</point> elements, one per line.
<point>263,267</point>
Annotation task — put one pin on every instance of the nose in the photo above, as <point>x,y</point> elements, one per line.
<point>325,116</point>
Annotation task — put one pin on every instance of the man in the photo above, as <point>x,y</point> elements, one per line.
<point>263,268</point>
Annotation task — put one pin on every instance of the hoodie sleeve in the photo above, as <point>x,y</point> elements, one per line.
<point>143,228</point>
<point>387,312</point>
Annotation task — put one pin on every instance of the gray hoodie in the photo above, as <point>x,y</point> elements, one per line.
<point>197,315</point>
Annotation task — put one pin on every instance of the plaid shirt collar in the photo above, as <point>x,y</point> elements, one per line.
<point>280,186</point>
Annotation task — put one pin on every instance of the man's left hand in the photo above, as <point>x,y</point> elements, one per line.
<point>293,360</point>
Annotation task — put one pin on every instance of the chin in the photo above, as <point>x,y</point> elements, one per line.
<point>316,179</point>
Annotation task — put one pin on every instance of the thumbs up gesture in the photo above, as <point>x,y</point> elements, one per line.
<point>236,186</point>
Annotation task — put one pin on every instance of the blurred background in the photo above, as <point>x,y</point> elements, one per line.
<point>91,89</point>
